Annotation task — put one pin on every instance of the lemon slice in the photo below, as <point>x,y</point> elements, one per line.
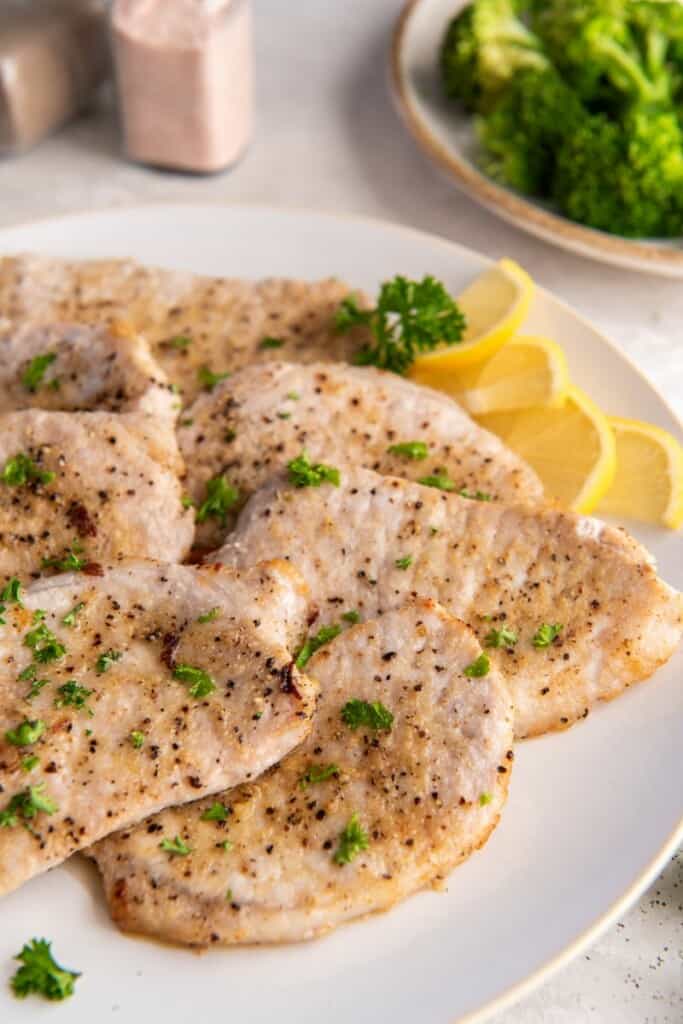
<point>523,373</point>
<point>495,305</point>
<point>648,484</point>
<point>571,447</point>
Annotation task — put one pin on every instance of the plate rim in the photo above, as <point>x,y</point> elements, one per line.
<point>527,216</point>
<point>515,992</point>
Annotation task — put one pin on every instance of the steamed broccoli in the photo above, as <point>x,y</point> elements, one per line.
<point>483,48</point>
<point>624,178</point>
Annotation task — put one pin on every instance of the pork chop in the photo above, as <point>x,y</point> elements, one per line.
<point>570,610</point>
<point>263,416</point>
<point>150,685</point>
<point>355,819</point>
<point>82,368</point>
<point>86,486</point>
<point>196,325</point>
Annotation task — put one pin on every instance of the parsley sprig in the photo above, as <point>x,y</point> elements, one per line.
<point>314,643</point>
<point>21,469</point>
<point>175,847</point>
<point>41,974</point>
<point>221,496</point>
<point>26,805</point>
<point>304,473</point>
<point>352,841</point>
<point>416,450</point>
<point>375,715</point>
<point>410,317</point>
<point>546,633</point>
<point>200,682</point>
<point>27,733</point>
<point>500,638</point>
<point>478,668</point>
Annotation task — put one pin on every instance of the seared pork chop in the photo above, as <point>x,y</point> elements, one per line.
<point>572,609</point>
<point>82,368</point>
<point>194,324</point>
<point>254,422</point>
<point>88,486</point>
<point>148,686</point>
<point>276,860</point>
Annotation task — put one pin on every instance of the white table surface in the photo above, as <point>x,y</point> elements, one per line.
<point>327,137</point>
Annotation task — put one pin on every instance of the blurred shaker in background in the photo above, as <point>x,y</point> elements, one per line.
<point>184,77</point>
<point>53,56</point>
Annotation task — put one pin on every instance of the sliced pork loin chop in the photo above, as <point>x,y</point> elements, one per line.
<point>79,368</point>
<point>89,483</point>
<point>254,422</point>
<point>193,323</point>
<point>373,541</point>
<point>267,860</point>
<point>150,685</point>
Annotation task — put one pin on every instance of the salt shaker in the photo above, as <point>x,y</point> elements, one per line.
<point>184,79</point>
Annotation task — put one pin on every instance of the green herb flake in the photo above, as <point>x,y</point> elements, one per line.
<point>304,473</point>
<point>416,450</point>
<point>21,469</point>
<point>40,974</point>
<point>181,341</point>
<point>546,634</point>
<point>36,686</point>
<point>187,502</point>
<point>29,763</point>
<point>73,695</point>
<point>216,812</point>
<point>353,617</point>
<point>474,495</point>
<point>375,715</point>
<point>175,847</point>
<point>44,644</point>
<point>478,668</point>
<point>404,563</point>
<point>485,798</point>
<point>106,660</point>
<point>316,773</point>
<point>32,377</point>
<point>500,638</point>
<point>352,841</point>
<point>284,415</point>
<point>293,396</point>
<point>226,846</point>
<point>26,805</point>
<point>11,592</point>
<point>209,616</point>
<point>271,343</point>
<point>137,739</point>
<point>26,734</point>
<point>324,635</point>
<point>200,682</point>
<point>220,498</point>
<point>208,379</point>
<point>439,480</point>
<point>70,618</point>
<point>70,561</point>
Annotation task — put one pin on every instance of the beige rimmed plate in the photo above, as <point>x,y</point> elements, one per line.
<point>593,813</point>
<point>446,135</point>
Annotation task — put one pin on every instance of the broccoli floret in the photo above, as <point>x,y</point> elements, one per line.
<point>523,131</point>
<point>483,48</point>
<point>625,178</point>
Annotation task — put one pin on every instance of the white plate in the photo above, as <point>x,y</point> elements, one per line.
<point>592,815</point>
<point>446,135</point>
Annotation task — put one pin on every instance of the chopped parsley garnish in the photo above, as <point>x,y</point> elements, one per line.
<point>485,798</point>
<point>181,341</point>
<point>314,643</point>
<point>546,633</point>
<point>478,668</point>
<point>11,592</point>
<point>21,469</point>
<point>352,841</point>
<point>416,450</point>
<point>208,379</point>
<point>293,396</point>
<point>410,317</point>
<point>36,684</point>
<point>271,343</point>
<point>318,773</point>
<point>284,415</point>
<point>70,561</point>
<point>227,846</point>
<point>404,563</point>
<point>70,618</point>
<point>44,644</point>
<point>176,847</point>
<point>220,498</point>
<point>353,617</point>
<point>216,812</point>
<point>137,739</point>
<point>209,616</point>
<point>375,715</point>
<point>201,683</point>
<point>26,805</point>
<point>106,660</point>
<point>500,638</point>
<point>304,473</point>
<point>186,501</point>
<point>32,377</point>
<point>474,495</point>
<point>25,734</point>
<point>40,974</point>
<point>29,763</point>
<point>439,480</point>
<point>73,695</point>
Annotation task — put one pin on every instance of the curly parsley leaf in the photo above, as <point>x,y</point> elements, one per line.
<point>217,812</point>
<point>40,974</point>
<point>26,805</point>
<point>106,660</point>
<point>410,317</point>
<point>478,668</point>
<point>546,634</point>
<point>175,847</point>
<point>304,473</point>
<point>44,644</point>
<point>314,643</point>
<point>439,480</point>
<point>220,498</point>
<point>416,450</point>
<point>375,715</point>
<point>500,638</point>
<point>21,469</point>
<point>73,695</point>
<point>27,733</point>
<point>352,841</point>
<point>137,739</point>
<point>200,682</point>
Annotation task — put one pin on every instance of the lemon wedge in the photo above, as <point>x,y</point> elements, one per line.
<point>495,305</point>
<point>571,447</point>
<point>648,484</point>
<point>523,373</point>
